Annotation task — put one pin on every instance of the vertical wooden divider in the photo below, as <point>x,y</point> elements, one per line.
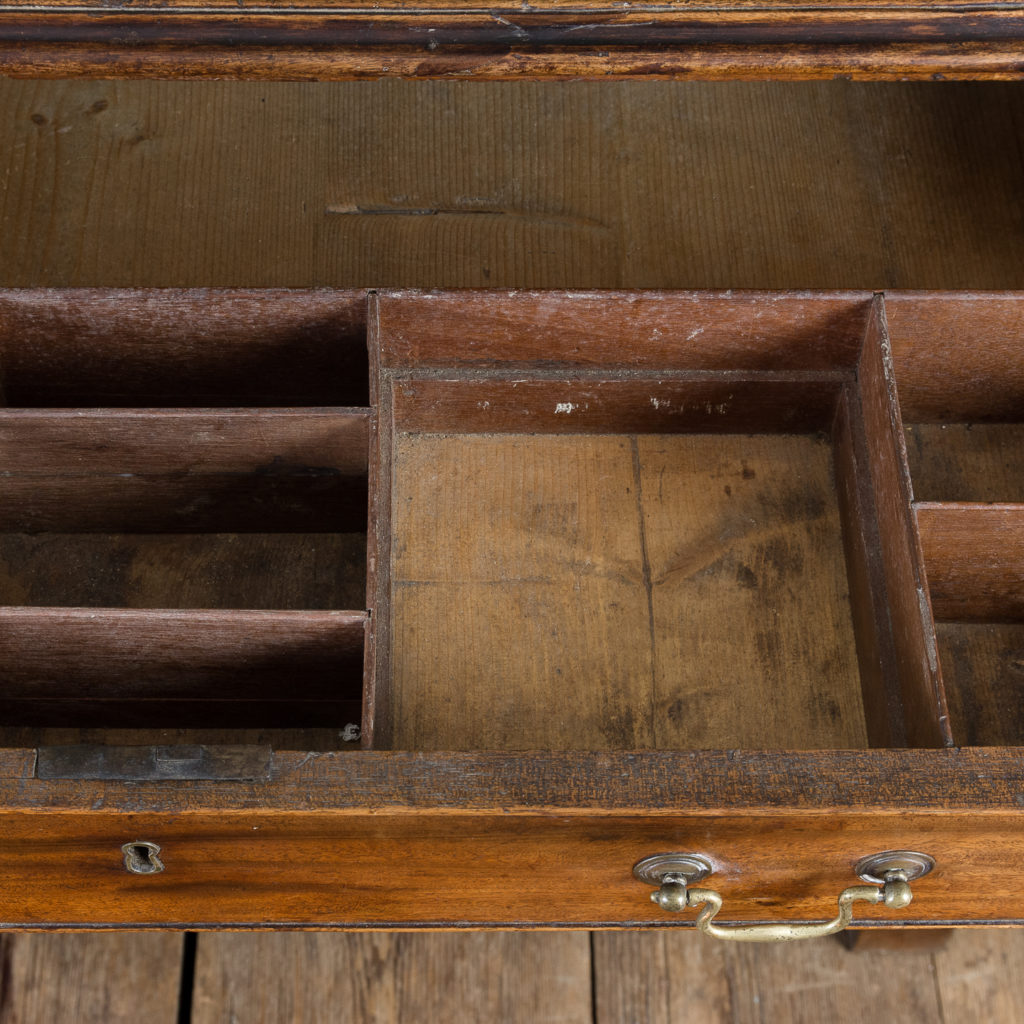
<point>884,715</point>
<point>910,613</point>
<point>377,726</point>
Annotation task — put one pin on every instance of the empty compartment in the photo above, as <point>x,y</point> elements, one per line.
<point>959,367</point>
<point>620,591</point>
<point>646,540</point>
<point>126,348</point>
<point>960,373</point>
<point>121,668</point>
<point>183,517</point>
<point>983,669</point>
<point>161,508</point>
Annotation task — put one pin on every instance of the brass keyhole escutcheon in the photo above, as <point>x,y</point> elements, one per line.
<point>142,858</point>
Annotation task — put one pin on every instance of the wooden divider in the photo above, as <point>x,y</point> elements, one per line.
<point>192,470</point>
<point>121,668</point>
<point>917,665</point>
<point>974,557</point>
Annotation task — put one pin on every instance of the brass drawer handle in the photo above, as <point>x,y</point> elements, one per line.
<point>891,874</point>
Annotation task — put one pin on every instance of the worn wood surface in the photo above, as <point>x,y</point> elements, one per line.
<point>578,593</point>
<point>120,979</point>
<point>655,185</point>
<point>716,404</point>
<point>661,978</point>
<point>974,559</point>
<point>983,665</point>
<point>298,869</point>
<point>520,612</point>
<point>743,553</point>
<point>169,347</point>
<point>913,628</point>
<point>958,358</point>
<point>331,40</point>
<point>672,978</point>
<point>866,577</point>
<point>204,471</point>
<point>657,331</point>
<point>967,461</point>
<point>244,570</point>
<point>783,832</point>
<point>380,978</point>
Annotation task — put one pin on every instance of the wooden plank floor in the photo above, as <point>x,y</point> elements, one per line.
<point>538,978</point>
<point>458,184</point>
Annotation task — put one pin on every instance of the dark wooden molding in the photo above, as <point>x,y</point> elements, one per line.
<point>327,40</point>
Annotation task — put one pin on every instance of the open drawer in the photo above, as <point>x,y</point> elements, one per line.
<point>732,575</point>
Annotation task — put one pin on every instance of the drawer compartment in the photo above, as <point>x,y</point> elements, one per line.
<point>960,374</point>
<point>183,545</point>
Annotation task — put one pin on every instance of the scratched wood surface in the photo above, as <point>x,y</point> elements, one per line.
<point>611,978</point>
<point>584,573</point>
<point>966,461</point>
<point>447,184</point>
<point>90,979</point>
<point>513,977</point>
<point>451,38</point>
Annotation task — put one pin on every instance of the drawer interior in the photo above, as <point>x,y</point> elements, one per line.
<point>960,372</point>
<point>511,521</point>
<point>183,545</point>
<point>667,522</point>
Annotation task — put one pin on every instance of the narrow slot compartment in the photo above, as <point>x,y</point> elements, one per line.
<point>169,347</point>
<point>183,517</point>
<point>974,557</point>
<point>120,669</point>
<point>164,508</point>
<point>960,372</point>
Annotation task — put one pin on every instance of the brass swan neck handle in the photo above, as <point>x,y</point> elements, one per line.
<point>890,874</point>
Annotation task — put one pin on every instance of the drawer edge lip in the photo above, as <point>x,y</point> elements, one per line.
<point>459,926</point>
<point>974,780</point>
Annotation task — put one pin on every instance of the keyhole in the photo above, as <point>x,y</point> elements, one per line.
<point>142,858</point>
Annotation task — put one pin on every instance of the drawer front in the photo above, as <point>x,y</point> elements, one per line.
<point>478,870</point>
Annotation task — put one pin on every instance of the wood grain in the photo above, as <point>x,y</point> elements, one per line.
<point>974,558</point>
<point>743,546</point>
<point>520,615</point>
<point>866,575</point>
<point>958,357</point>
<point>983,665</point>
<point>967,461</point>
<point>334,41</point>
<point>974,975</point>
<point>159,471</point>
<point>182,347</point>
<point>715,404</point>
<point>578,592</point>
<point>913,628</point>
<point>289,869</point>
<point>92,979</point>
<point>122,655</point>
<point>678,978</point>
<point>644,185</point>
<point>391,978</point>
<point>253,570</point>
<point>660,331</point>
